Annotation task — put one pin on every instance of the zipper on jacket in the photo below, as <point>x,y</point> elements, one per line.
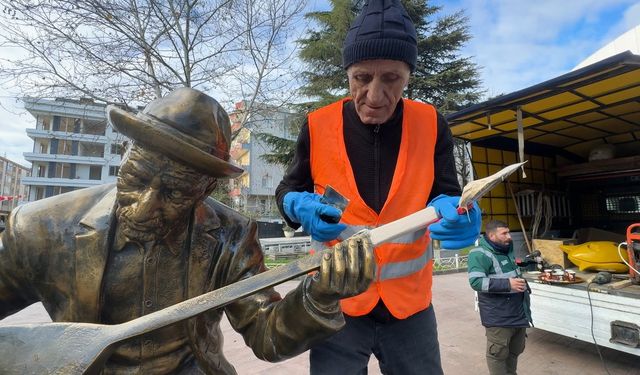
<point>376,165</point>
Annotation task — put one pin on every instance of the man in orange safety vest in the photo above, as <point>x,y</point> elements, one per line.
<point>390,157</point>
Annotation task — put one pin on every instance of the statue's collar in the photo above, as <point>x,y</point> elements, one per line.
<point>99,216</point>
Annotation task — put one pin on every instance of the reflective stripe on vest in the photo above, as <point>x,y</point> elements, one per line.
<point>391,270</point>
<point>406,268</point>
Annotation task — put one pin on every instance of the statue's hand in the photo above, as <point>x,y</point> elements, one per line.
<point>347,270</point>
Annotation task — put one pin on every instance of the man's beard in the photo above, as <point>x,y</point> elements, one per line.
<point>150,230</point>
<point>498,245</point>
<point>506,243</point>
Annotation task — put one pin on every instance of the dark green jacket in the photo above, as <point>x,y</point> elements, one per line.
<point>489,273</point>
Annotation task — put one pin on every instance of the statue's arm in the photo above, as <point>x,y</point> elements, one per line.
<point>15,292</point>
<point>276,328</point>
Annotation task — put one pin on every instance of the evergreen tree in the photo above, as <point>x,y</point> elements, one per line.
<point>321,52</point>
<point>442,76</point>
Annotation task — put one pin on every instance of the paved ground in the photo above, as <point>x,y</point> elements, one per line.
<point>462,342</point>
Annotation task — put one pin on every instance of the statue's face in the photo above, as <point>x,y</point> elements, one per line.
<point>156,195</point>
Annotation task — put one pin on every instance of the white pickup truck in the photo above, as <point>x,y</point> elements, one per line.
<point>607,314</point>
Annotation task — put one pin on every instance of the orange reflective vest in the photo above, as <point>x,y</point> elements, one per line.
<point>404,267</point>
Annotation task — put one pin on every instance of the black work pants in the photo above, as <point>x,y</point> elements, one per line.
<point>403,347</point>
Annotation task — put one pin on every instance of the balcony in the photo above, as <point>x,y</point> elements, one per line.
<point>49,134</point>
<point>34,157</point>
<point>67,108</point>
<point>45,181</point>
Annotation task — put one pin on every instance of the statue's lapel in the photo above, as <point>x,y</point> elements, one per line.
<point>92,248</point>
<point>204,249</point>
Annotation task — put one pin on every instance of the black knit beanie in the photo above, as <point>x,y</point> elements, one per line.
<point>382,30</point>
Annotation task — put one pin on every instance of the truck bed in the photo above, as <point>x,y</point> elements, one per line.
<point>566,309</point>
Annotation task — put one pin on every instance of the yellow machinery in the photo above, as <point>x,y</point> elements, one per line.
<point>596,256</point>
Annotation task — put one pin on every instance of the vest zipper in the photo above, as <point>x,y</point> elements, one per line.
<point>376,163</point>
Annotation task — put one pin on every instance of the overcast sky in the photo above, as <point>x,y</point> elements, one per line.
<point>517,43</point>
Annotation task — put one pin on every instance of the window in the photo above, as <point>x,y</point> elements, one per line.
<point>39,192</point>
<point>116,148</point>
<point>623,204</point>
<point>67,124</point>
<point>113,170</point>
<point>64,147</point>
<point>63,170</point>
<point>267,181</point>
<point>95,172</point>
<point>42,171</point>
<point>91,149</point>
<point>95,127</point>
<point>44,122</point>
<point>62,189</point>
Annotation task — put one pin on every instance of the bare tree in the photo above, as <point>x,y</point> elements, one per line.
<point>464,168</point>
<point>132,51</point>
<point>267,77</point>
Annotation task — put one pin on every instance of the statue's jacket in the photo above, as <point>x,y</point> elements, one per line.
<point>55,250</point>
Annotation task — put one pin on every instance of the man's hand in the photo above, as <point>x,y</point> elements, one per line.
<point>305,208</point>
<point>346,271</point>
<point>517,285</point>
<point>454,230</point>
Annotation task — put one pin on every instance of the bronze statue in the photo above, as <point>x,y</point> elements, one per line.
<point>110,254</point>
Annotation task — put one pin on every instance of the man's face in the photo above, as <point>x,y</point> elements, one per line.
<point>156,195</point>
<point>501,236</point>
<point>376,87</point>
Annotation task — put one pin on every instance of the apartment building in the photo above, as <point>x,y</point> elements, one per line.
<point>253,192</point>
<point>12,190</point>
<point>73,146</point>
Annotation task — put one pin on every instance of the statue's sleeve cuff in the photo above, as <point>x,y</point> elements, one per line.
<point>326,310</point>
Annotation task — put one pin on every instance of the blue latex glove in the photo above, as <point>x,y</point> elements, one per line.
<point>454,230</point>
<point>305,208</point>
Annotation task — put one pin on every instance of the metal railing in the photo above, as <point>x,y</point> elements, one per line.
<point>285,248</point>
<point>456,262</point>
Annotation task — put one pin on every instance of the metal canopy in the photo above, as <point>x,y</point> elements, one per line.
<point>567,115</point>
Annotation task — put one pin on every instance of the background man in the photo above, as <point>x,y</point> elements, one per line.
<point>389,156</point>
<point>111,254</point>
<point>503,297</point>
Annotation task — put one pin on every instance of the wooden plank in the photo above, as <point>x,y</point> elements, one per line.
<point>551,251</point>
<point>620,284</point>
